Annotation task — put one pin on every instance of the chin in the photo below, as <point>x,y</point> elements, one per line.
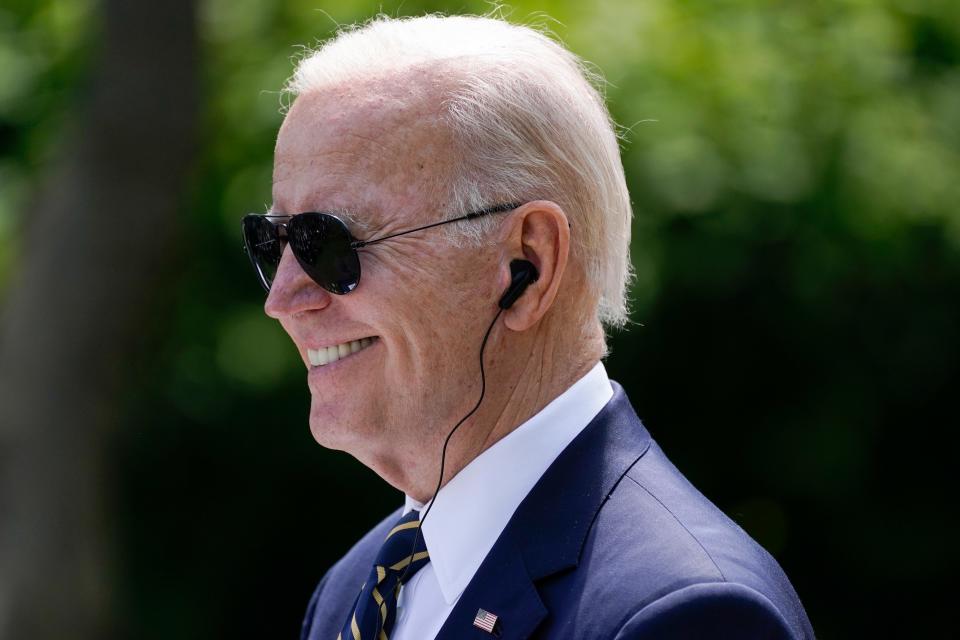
<point>327,425</point>
<point>340,427</point>
<point>330,436</point>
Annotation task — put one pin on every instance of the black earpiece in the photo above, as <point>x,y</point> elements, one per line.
<point>522,274</point>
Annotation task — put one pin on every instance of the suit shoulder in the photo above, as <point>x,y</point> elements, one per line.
<point>684,539</point>
<point>703,610</point>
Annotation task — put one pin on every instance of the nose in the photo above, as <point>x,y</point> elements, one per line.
<point>293,291</point>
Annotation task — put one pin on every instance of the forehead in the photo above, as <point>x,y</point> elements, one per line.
<point>374,150</point>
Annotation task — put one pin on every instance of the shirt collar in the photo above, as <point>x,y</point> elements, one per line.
<point>474,507</point>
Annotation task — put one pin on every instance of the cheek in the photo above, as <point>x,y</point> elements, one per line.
<point>430,334</point>
<point>417,281</point>
<point>433,304</point>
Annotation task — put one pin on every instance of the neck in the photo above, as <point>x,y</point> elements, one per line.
<point>518,387</point>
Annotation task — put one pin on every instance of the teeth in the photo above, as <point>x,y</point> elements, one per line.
<point>326,355</point>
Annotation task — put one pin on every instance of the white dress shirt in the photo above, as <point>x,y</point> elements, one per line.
<point>473,508</point>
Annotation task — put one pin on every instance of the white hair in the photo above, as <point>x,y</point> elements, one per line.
<point>526,118</point>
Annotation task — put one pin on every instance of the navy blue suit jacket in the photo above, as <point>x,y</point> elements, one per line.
<point>612,543</point>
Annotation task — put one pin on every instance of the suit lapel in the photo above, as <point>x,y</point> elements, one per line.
<point>547,532</point>
<point>502,587</point>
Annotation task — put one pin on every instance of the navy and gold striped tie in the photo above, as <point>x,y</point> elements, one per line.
<point>373,614</point>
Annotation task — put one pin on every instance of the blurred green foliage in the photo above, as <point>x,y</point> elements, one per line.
<point>795,170</point>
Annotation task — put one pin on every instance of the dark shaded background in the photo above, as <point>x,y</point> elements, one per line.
<point>795,170</point>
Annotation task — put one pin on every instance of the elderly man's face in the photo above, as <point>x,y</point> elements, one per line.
<point>377,153</point>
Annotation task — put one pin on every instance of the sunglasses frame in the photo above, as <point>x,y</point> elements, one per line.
<point>282,235</point>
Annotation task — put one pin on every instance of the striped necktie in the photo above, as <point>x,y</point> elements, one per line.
<point>373,614</point>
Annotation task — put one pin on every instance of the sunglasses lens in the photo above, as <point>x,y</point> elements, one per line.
<point>263,246</point>
<point>321,243</point>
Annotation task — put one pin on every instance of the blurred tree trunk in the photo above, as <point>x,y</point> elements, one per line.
<point>95,247</point>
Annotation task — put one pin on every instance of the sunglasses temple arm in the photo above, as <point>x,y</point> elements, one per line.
<point>470,216</point>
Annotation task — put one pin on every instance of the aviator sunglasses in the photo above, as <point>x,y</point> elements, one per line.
<point>321,243</point>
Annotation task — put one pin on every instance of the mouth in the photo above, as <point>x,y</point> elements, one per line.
<point>327,355</point>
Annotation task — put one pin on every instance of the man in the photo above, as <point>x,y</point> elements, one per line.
<point>470,172</point>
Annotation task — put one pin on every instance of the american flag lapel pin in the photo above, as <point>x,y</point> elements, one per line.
<point>486,621</point>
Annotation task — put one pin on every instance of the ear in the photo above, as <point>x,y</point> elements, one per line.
<point>540,233</point>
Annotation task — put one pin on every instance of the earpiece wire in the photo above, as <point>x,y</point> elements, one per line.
<point>443,456</point>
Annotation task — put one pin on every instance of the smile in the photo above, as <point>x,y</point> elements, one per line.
<point>326,355</point>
